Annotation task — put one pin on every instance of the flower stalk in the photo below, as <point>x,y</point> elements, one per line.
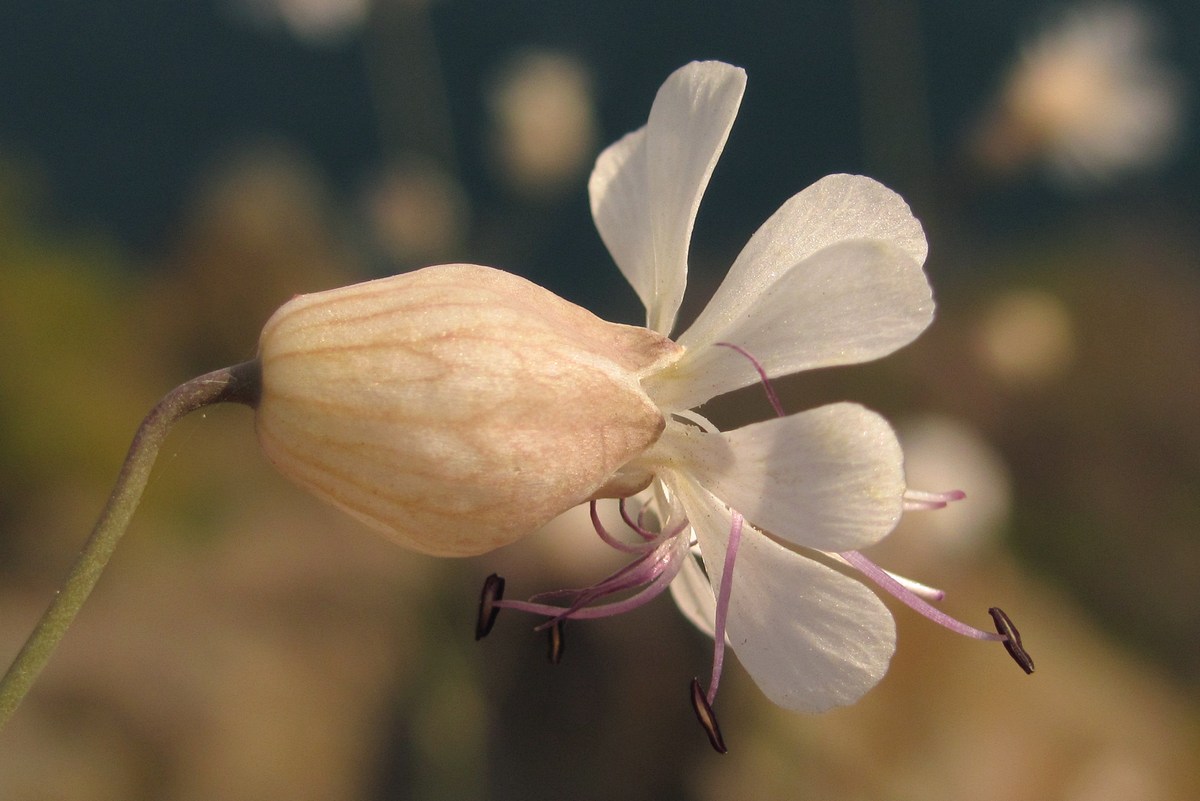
<point>238,384</point>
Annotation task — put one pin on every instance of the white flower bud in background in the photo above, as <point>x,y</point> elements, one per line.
<point>942,451</point>
<point>455,408</point>
<point>1087,98</point>
<point>318,23</point>
<point>1026,338</point>
<point>417,210</point>
<point>544,121</point>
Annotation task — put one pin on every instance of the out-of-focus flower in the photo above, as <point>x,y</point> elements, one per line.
<point>834,277</point>
<point>315,22</point>
<point>1026,337</point>
<point>1087,98</point>
<point>258,228</point>
<point>941,452</point>
<point>418,211</point>
<point>544,126</point>
<point>1116,775</point>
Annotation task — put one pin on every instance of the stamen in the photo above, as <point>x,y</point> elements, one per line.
<point>489,605</point>
<point>637,573</point>
<point>556,642</point>
<point>696,419</point>
<point>707,718</point>
<point>612,541</point>
<point>635,525</point>
<point>918,501</point>
<point>917,588</point>
<point>735,539</point>
<point>910,599</point>
<point>665,571</point>
<point>1012,639</point>
<point>631,575</point>
<point>762,374</point>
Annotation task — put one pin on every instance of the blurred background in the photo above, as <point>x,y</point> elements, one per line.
<point>171,172</point>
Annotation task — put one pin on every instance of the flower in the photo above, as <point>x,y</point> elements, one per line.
<point>313,22</point>
<point>458,408</point>
<point>833,277</point>
<point>543,121</point>
<point>1087,97</point>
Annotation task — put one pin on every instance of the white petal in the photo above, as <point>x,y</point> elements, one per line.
<point>835,209</point>
<point>811,637</point>
<point>694,597</point>
<point>830,478</point>
<point>646,188</point>
<point>851,302</point>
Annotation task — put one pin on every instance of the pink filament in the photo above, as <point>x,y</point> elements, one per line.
<point>762,374</point>
<point>916,500</point>
<point>636,526</point>
<point>659,560</point>
<point>612,541</point>
<point>640,571</point>
<point>723,595</point>
<point>659,578</point>
<point>910,599</point>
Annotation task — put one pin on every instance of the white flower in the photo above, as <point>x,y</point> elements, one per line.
<point>458,408</point>
<point>543,119</point>
<point>834,277</point>
<point>1087,98</point>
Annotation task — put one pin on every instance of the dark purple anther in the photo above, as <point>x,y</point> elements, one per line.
<point>493,591</point>
<point>704,714</point>
<point>1012,639</point>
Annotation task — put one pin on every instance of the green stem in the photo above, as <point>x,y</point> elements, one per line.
<point>238,384</point>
